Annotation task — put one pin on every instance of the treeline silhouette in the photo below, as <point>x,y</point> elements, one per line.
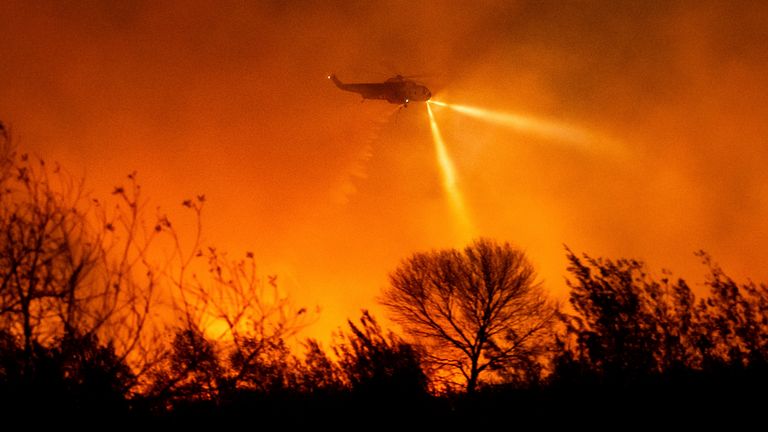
<point>94,324</point>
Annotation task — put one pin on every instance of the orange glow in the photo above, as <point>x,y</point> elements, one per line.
<point>449,179</point>
<point>330,193</point>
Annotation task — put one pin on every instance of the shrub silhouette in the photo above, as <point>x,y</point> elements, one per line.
<point>632,341</point>
<point>374,362</point>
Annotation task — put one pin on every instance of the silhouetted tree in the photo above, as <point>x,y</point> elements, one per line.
<point>374,362</point>
<point>70,268</point>
<point>78,292</point>
<point>70,379</point>
<point>76,282</point>
<point>316,372</point>
<point>619,315</point>
<point>475,311</point>
<point>96,380</point>
<point>46,250</point>
<point>252,318</point>
<point>189,372</point>
<point>228,316</point>
<point>627,326</point>
<point>734,318</point>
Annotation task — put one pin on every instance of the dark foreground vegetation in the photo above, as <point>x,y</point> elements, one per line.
<point>93,325</point>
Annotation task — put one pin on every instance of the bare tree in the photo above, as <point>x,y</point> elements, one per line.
<point>476,311</point>
<point>254,319</point>
<point>127,278</point>
<point>228,315</point>
<point>71,268</point>
<point>46,251</point>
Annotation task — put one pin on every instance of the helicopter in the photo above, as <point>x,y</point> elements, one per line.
<point>395,90</point>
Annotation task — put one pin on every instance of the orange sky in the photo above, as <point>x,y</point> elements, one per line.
<point>230,99</point>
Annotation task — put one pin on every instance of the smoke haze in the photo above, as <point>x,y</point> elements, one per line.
<point>230,99</point>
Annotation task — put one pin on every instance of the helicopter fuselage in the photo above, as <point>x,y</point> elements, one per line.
<point>396,90</point>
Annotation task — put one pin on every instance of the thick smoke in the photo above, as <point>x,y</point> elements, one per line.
<point>231,99</point>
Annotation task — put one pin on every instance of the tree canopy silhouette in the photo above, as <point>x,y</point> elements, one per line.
<point>628,325</point>
<point>476,311</point>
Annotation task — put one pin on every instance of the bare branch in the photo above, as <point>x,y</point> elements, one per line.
<point>477,310</point>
